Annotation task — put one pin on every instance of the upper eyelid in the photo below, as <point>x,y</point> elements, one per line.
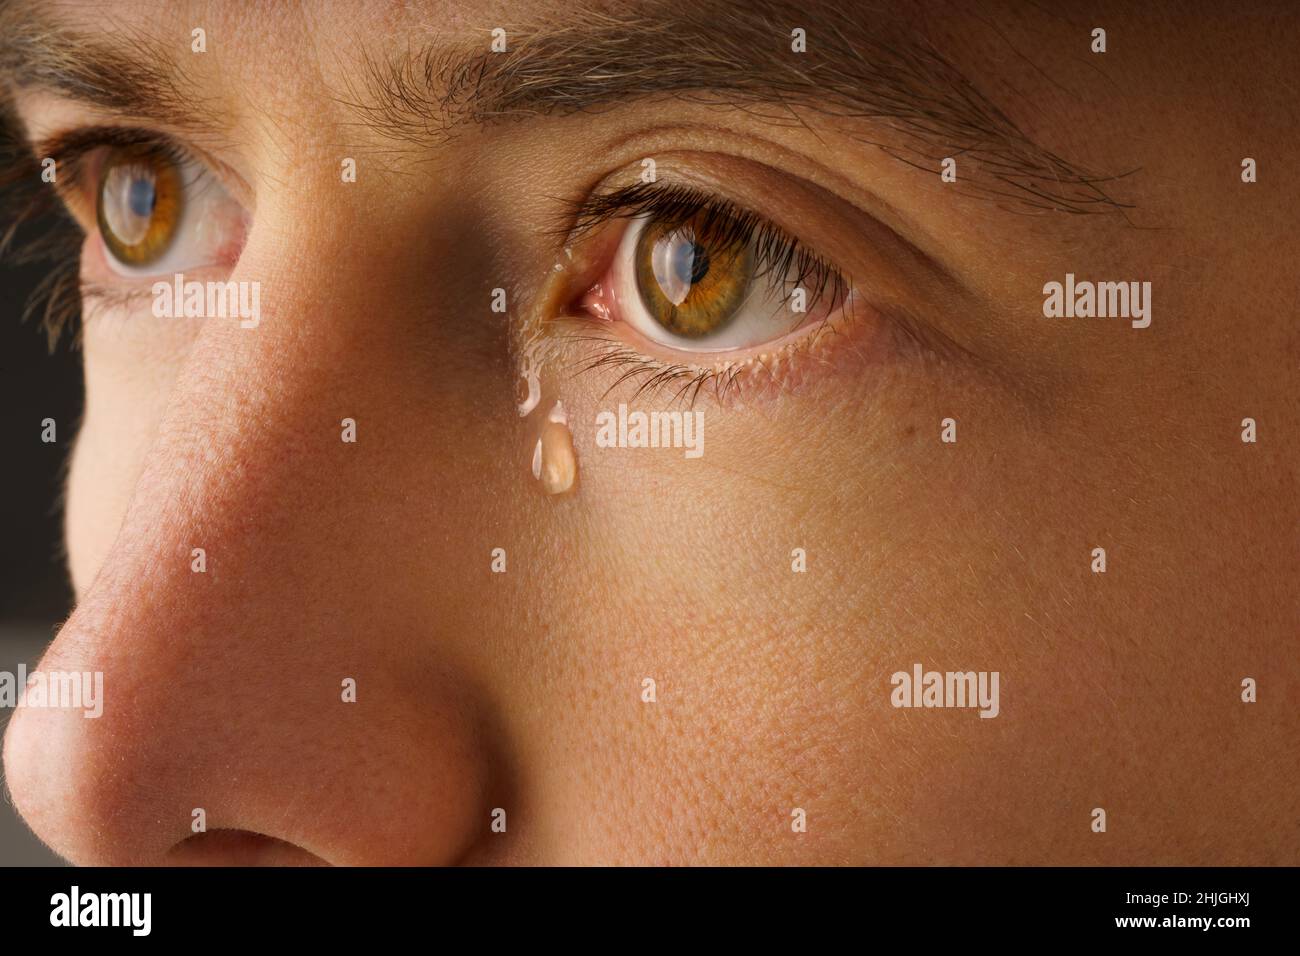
<point>861,231</point>
<point>72,150</point>
<point>71,147</point>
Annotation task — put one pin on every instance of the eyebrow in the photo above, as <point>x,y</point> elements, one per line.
<point>128,73</point>
<point>866,66</point>
<point>862,66</point>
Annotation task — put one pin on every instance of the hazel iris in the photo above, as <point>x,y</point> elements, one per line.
<point>139,204</point>
<point>692,280</point>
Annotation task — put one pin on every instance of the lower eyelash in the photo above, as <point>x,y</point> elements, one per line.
<point>587,350</point>
<point>57,297</point>
<point>657,376</point>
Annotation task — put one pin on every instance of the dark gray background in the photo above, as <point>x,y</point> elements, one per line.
<point>35,595</point>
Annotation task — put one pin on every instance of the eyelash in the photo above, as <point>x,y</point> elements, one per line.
<point>779,257</point>
<point>776,252</point>
<point>71,151</point>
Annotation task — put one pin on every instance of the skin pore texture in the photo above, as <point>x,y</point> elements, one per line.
<point>523,690</point>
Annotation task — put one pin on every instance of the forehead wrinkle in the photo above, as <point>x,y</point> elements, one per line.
<point>868,71</point>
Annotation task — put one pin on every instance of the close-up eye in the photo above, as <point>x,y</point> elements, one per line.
<point>156,209</point>
<point>694,274</point>
<point>139,204</point>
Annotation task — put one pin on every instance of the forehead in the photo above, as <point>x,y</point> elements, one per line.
<point>267,23</point>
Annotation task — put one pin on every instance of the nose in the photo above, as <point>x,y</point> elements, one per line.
<point>288,703</point>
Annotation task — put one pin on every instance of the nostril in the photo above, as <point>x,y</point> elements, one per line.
<point>239,848</point>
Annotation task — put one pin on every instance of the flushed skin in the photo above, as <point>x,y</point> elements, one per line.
<point>523,690</point>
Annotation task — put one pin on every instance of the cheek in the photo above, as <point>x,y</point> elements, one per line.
<point>106,463</point>
<point>130,363</point>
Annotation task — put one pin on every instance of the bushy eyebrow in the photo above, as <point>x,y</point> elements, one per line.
<point>121,71</point>
<point>861,64</point>
<point>864,69</point>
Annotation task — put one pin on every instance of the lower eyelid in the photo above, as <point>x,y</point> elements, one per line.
<point>847,343</point>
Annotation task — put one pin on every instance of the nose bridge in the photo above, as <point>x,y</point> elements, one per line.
<point>243,674</point>
<point>246,454</point>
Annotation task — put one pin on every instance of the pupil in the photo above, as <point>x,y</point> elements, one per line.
<point>141,198</point>
<point>690,262</point>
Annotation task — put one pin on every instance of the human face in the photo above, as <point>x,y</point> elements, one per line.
<point>376,573</point>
